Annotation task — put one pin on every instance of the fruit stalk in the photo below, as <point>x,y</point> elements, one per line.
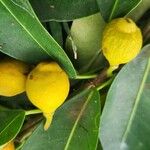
<point>110,70</point>
<point>106,73</point>
<point>49,118</point>
<point>31,112</point>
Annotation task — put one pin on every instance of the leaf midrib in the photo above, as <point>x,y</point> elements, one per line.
<point>34,37</point>
<point>10,123</point>
<point>137,100</point>
<point>113,9</point>
<point>3,3</point>
<point>77,120</point>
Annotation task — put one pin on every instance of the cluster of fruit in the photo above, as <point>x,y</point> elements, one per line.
<point>46,86</point>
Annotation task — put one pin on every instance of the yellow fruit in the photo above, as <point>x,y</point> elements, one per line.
<point>122,41</point>
<point>9,146</point>
<point>12,77</point>
<point>47,87</point>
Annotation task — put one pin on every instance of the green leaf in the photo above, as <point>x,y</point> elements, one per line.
<point>140,10</point>
<point>125,120</point>
<point>75,126</point>
<point>64,10</point>
<point>116,8</point>
<point>99,146</point>
<point>22,36</point>
<point>10,124</point>
<point>84,42</point>
<point>56,31</point>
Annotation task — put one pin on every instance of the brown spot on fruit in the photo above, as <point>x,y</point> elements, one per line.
<point>31,77</point>
<point>128,20</point>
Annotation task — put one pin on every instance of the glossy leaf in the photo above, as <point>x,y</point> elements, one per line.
<point>10,124</point>
<point>64,10</point>
<point>116,8</point>
<point>75,126</point>
<point>140,10</point>
<point>125,120</point>
<point>22,36</point>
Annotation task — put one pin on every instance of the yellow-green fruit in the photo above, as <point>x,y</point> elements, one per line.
<point>47,87</point>
<point>9,146</point>
<point>13,75</point>
<point>121,42</point>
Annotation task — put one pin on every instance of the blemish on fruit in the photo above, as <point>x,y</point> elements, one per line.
<point>31,77</point>
<point>128,20</point>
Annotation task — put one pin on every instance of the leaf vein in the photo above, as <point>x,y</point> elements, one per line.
<point>77,120</point>
<point>24,27</point>
<point>113,10</point>
<point>10,123</point>
<point>137,100</point>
